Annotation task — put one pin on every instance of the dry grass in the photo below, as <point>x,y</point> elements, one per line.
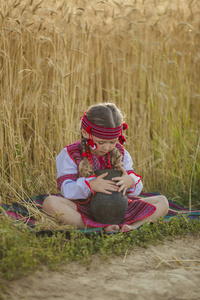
<point>58,57</point>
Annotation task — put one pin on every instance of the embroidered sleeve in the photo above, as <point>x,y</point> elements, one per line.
<point>68,183</point>
<point>61,179</point>
<point>128,163</point>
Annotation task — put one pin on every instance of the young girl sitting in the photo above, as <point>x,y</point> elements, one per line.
<point>101,147</point>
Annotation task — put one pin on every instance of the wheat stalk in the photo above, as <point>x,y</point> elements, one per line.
<point>57,59</point>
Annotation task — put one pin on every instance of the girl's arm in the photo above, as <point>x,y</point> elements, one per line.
<point>69,184</point>
<point>128,166</point>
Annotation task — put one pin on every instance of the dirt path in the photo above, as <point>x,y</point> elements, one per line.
<point>136,276</point>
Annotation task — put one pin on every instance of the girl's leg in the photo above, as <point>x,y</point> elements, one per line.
<point>65,211</point>
<point>162,207</point>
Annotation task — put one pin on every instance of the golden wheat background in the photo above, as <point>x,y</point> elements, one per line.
<point>59,57</point>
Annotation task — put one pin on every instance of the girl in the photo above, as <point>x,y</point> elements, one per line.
<point>101,147</point>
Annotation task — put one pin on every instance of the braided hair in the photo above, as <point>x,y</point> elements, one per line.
<point>104,115</point>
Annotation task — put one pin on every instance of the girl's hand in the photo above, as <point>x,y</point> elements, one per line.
<point>125,182</point>
<point>103,186</point>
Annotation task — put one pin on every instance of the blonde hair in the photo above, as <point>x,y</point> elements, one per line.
<point>104,115</point>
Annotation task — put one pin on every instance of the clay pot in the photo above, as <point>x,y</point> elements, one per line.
<point>109,209</point>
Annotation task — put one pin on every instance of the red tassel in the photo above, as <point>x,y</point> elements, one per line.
<point>84,154</point>
<point>94,147</point>
<point>122,139</point>
<point>91,143</point>
<point>88,130</point>
<point>124,126</point>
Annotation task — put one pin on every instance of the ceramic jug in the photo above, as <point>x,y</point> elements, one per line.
<point>109,209</point>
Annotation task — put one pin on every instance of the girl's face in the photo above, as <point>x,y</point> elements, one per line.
<point>103,146</point>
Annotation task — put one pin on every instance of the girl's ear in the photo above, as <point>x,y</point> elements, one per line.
<point>85,134</point>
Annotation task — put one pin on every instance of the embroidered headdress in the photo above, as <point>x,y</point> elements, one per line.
<point>102,132</point>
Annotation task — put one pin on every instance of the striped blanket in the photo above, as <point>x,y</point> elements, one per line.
<point>18,211</point>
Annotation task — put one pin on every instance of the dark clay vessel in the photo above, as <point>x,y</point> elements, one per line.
<point>109,209</point>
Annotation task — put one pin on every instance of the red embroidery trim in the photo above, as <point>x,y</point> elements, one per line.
<point>140,177</point>
<point>109,163</point>
<point>88,184</point>
<point>89,156</point>
<point>61,179</point>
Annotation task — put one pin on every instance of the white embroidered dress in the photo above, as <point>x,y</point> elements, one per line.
<point>74,188</point>
<point>77,188</point>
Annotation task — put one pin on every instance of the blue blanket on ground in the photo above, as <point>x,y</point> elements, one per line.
<point>19,211</point>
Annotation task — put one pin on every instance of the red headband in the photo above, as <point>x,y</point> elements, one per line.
<point>104,132</point>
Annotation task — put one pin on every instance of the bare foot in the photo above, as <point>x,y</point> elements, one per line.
<point>111,228</point>
<point>126,228</point>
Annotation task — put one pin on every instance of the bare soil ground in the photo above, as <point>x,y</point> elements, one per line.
<point>167,271</point>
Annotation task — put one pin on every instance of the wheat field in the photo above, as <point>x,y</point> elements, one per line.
<point>59,57</point>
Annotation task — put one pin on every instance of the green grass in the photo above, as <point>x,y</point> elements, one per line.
<point>54,65</point>
<point>22,252</point>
